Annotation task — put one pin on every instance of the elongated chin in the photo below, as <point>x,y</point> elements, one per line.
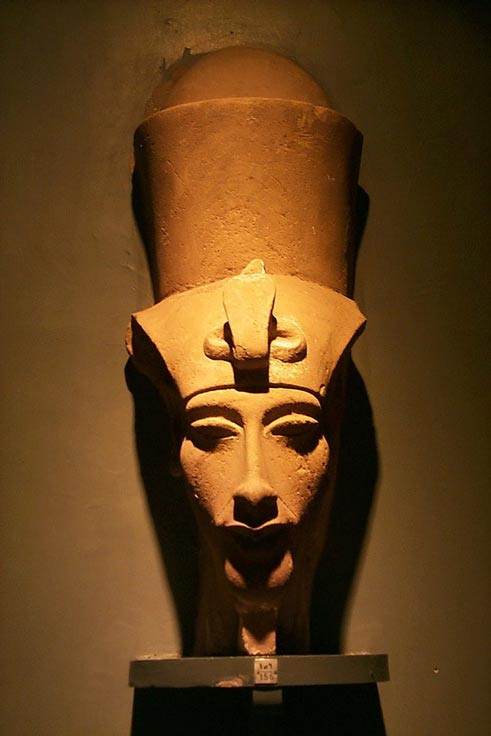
<point>259,589</point>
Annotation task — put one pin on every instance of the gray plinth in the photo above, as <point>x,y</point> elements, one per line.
<point>259,672</point>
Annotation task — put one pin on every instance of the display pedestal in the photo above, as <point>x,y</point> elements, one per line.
<point>244,696</point>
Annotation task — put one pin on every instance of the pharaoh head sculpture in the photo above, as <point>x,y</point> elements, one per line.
<point>248,178</point>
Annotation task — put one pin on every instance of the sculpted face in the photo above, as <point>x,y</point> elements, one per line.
<point>259,456</point>
<point>253,463</point>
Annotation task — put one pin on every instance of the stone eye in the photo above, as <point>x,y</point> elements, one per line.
<point>294,425</point>
<point>212,429</point>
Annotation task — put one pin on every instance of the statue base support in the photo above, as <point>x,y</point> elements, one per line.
<point>259,672</point>
<point>250,696</point>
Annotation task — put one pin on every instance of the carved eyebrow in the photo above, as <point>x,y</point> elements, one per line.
<point>294,409</point>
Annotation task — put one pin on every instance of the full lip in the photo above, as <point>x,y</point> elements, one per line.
<point>265,543</point>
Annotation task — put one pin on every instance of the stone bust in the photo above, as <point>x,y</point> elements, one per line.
<point>249,178</point>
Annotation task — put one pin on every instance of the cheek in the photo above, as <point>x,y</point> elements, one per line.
<point>208,475</point>
<point>297,477</point>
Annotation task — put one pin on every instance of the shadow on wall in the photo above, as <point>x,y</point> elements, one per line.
<point>167,502</point>
<point>355,488</point>
<point>353,498</point>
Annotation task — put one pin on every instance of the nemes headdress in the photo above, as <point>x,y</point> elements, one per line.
<point>249,181</point>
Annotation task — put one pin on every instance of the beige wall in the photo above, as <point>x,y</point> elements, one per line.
<point>83,588</point>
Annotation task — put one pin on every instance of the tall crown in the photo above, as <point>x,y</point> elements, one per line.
<point>246,164</point>
<point>247,160</point>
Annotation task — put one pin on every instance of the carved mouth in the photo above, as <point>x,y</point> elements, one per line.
<point>265,544</point>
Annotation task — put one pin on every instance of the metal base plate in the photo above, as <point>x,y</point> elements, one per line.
<point>259,672</point>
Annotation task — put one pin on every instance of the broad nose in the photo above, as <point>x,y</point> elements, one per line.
<point>255,502</point>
